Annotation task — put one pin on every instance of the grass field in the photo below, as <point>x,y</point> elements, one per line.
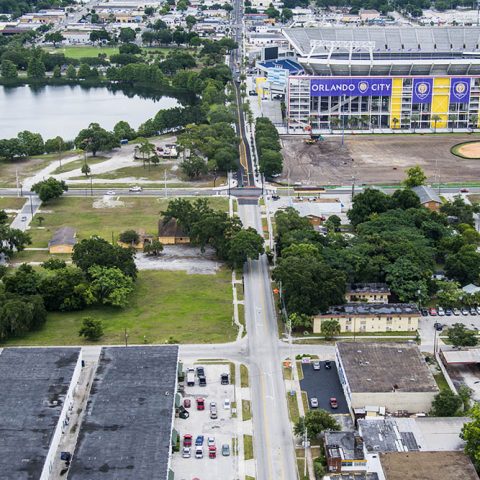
<point>37,256</point>
<point>248,447</point>
<point>11,203</point>
<point>246,410</point>
<point>244,382</point>
<point>188,308</point>
<point>68,167</point>
<point>79,213</point>
<point>293,408</point>
<point>87,51</point>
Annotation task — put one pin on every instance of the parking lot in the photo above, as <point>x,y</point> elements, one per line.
<point>324,384</point>
<point>223,429</point>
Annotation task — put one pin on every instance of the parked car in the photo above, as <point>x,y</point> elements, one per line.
<point>23,219</point>
<point>314,402</point>
<point>424,312</point>
<point>211,441</point>
<point>187,440</point>
<point>135,188</point>
<point>226,450</point>
<point>448,312</point>
<point>183,412</point>
<point>213,411</point>
<point>333,402</point>
<point>226,404</point>
<point>275,197</point>
<point>433,312</point>
<point>187,403</point>
<point>441,312</point>
<point>464,311</point>
<point>464,190</point>
<point>198,452</point>
<point>478,310</point>
<point>456,312</point>
<point>199,440</point>
<point>200,372</point>
<point>472,310</point>
<point>224,379</point>
<point>186,452</point>
<point>252,93</point>
<point>212,452</point>
<point>316,365</point>
<point>438,326</point>
<point>328,364</point>
<point>200,404</point>
<point>202,380</point>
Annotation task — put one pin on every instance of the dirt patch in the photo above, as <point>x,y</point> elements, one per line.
<point>108,201</point>
<point>181,257</point>
<point>376,159</point>
<point>469,150</point>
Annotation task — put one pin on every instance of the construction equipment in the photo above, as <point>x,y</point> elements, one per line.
<point>314,139</point>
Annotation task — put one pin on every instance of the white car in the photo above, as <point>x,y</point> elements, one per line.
<point>186,453</point>
<point>111,192</point>
<point>314,402</point>
<point>316,365</point>
<point>441,312</point>
<point>135,188</point>
<point>211,441</point>
<point>226,404</point>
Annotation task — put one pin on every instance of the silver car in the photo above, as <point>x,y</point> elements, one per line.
<point>314,402</point>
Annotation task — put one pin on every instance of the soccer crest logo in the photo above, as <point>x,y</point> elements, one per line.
<point>460,89</point>
<point>363,87</point>
<point>422,90</point>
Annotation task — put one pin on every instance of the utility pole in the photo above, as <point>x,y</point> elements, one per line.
<point>165,183</point>
<point>126,338</point>
<point>31,206</point>
<point>353,187</point>
<point>305,442</point>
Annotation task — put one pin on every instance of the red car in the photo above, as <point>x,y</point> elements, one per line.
<point>200,404</point>
<point>333,402</point>
<point>433,312</point>
<point>212,451</point>
<point>187,440</point>
<point>187,403</point>
<point>464,190</point>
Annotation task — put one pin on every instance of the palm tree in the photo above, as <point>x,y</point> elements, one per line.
<point>415,118</point>
<point>40,219</point>
<point>353,122</point>
<point>473,119</point>
<point>146,149</point>
<point>435,118</point>
<point>364,120</point>
<point>334,122</point>
<point>395,121</point>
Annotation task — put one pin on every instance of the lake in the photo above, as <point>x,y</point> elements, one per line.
<point>64,110</point>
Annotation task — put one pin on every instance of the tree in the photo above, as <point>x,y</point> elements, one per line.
<point>95,138</point>
<point>153,248</point>
<point>245,245</point>
<point>395,121</point>
<point>71,72</point>
<point>110,286</point>
<point>271,162</point>
<point>464,265</point>
<point>127,35</point>
<point>54,264</point>
<point>463,212</point>
<point>471,434</point>
<point>36,68</point>
<point>449,294</point>
<point>40,220</point>
<point>435,119</point>
<point>129,236</point>
<point>25,281</point>
<point>85,169</point>
<point>31,143</point>
<point>286,15</point>
<point>49,189</point>
<point>20,314</point>
<point>54,37</point>
<point>330,328</point>
<point>405,199</point>
<point>193,166</point>
<point>55,145</point>
<point>57,72</point>
<point>461,337</point>
<point>446,404</point>
<point>316,422</point>
<point>12,240</point>
<point>3,217</point>
<point>123,130</point>
<point>91,329</point>
<point>190,21</point>
<point>97,251</point>
<point>146,149</point>
<point>300,321</point>
<point>333,223</point>
<point>368,202</point>
<point>415,177</point>
<point>8,70</point>
<point>408,280</point>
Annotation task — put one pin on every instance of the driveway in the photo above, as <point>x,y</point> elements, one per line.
<point>324,384</point>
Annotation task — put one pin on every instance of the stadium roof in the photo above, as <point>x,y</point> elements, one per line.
<point>385,367</point>
<point>33,384</point>
<point>127,426</point>
<point>391,40</point>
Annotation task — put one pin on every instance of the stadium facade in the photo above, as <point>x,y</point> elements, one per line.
<point>383,79</point>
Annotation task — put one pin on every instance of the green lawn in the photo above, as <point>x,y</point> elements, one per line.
<point>79,213</point>
<point>189,308</point>
<point>441,382</point>
<point>248,447</point>
<point>68,167</point>
<point>12,203</point>
<point>79,52</point>
<point>293,408</point>
<point>246,410</point>
<point>37,256</point>
<point>244,376</point>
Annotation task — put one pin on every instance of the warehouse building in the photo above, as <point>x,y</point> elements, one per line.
<point>383,79</point>
<point>36,397</point>
<point>390,375</point>
<point>127,429</point>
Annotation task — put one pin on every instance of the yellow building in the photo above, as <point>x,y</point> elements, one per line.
<point>63,241</point>
<point>371,317</point>
<point>170,233</point>
<point>367,292</point>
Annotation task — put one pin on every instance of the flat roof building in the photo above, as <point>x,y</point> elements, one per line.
<point>390,375</point>
<point>367,292</point>
<point>127,429</point>
<point>36,392</point>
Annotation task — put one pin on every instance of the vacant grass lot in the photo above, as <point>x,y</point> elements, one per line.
<point>87,51</point>
<point>188,308</point>
<point>79,213</point>
<point>27,256</point>
<point>68,167</point>
<point>11,203</point>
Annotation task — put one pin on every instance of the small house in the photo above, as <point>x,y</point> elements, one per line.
<point>171,233</point>
<point>428,198</point>
<point>63,241</point>
<point>143,239</point>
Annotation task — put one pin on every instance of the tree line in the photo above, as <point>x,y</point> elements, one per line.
<point>268,145</point>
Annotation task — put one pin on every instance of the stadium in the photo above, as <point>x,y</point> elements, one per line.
<point>381,79</point>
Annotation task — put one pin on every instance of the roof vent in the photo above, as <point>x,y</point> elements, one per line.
<point>399,351</point>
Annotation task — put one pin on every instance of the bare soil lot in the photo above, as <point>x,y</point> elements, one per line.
<point>376,159</point>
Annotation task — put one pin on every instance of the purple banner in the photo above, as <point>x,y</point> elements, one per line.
<point>459,90</point>
<point>361,87</point>
<point>422,90</point>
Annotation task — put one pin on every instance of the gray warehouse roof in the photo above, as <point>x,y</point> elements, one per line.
<point>384,367</point>
<point>127,426</point>
<point>33,384</point>
<point>426,194</point>
<point>63,236</point>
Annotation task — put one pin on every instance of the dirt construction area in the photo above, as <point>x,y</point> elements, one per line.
<point>375,159</point>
